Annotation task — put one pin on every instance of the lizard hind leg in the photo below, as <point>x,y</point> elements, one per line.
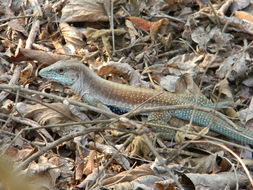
<point>161,118</point>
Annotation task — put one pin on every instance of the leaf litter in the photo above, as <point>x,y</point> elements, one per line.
<point>204,47</point>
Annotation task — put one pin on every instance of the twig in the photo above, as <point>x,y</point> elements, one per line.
<point>33,33</point>
<point>13,81</point>
<point>198,134</point>
<point>58,98</point>
<point>16,17</point>
<point>112,27</point>
<point>235,155</point>
<point>44,104</point>
<point>36,155</point>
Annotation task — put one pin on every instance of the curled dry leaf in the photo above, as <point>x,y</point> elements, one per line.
<point>202,36</point>
<point>90,166</point>
<point>140,177</point>
<point>115,68</point>
<point>131,31</point>
<point>169,82</point>
<point>248,82</point>
<point>157,26</point>
<point>239,5</point>
<point>224,91</point>
<point>19,154</point>
<point>102,38</point>
<point>235,66</point>
<point>41,56</point>
<point>26,73</point>
<point>183,136</point>
<point>215,181</point>
<point>244,15</point>
<point>128,176</point>
<point>246,115</point>
<point>45,115</point>
<point>72,35</point>
<point>139,148</point>
<point>141,23</point>
<point>235,23</point>
<point>147,26</point>
<point>213,163</point>
<point>43,175</point>
<point>224,94</point>
<point>91,178</point>
<point>187,84</point>
<point>15,24</point>
<point>7,106</point>
<point>84,11</point>
<point>249,118</point>
<point>79,165</point>
<point>110,150</point>
<point>178,65</point>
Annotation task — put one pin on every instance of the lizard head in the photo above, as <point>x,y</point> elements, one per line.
<point>65,72</point>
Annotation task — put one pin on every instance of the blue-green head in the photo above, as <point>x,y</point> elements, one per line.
<point>65,72</point>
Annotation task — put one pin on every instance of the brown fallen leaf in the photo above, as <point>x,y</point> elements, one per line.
<point>244,15</point>
<point>128,176</point>
<point>84,11</point>
<point>26,73</point>
<point>41,56</point>
<point>141,23</point>
<point>90,166</point>
<point>182,136</point>
<point>215,181</point>
<point>44,115</point>
<point>213,163</point>
<point>72,35</point>
<point>139,148</point>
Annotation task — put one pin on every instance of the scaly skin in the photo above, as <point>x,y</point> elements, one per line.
<point>94,89</point>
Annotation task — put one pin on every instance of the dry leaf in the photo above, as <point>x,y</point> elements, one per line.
<point>182,136</point>
<point>141,23</point>
<point>239,5</point>
<point>128,176</point>
<point>45,115</point>
<point>244,15</point>
<point>169,82</point>
<point>216,181</point>
<point>90,166</point>
<point>26,73</point>
<point>235,66</point>
<point>115,70</point>
<point>102,38</point>
<point>84,11</point>
<point>42,175</point>
<point>139,148</point>
<point>40,56</point>
<point>72,35</point>
<point>213,163</point>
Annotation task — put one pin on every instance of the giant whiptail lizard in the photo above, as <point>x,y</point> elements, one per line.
<point>121,98</point>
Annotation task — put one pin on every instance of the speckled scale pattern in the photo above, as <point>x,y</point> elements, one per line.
<point>215,123</point>
<point>124,97</point>
<point>129,97</point>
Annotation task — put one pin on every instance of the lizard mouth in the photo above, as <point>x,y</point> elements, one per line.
<point>44,73</point>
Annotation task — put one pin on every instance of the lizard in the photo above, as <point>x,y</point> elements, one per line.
<point>122,98</point>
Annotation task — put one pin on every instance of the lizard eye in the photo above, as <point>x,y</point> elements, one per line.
<point>61,70</point>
